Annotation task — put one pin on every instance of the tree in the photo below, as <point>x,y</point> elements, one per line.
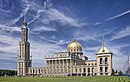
<point>7,73</point>
<point>120,73</point>
<point>113,72</point>
<point>116,71</point>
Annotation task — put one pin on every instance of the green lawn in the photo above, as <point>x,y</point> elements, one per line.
<point>66,79</point>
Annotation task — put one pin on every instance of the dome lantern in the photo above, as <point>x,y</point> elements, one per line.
<point>74,39</point>
<point>74,46</point>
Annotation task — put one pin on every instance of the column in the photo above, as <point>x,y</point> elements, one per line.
<point>86,71</point>
<point>49,66</point>
<point>63,66</point>
<point>56,64</point>
<point>59,66</point>
<point>52,66</point>
<point>71,67</point>
<point>90,71</point>
<point>67,64</point>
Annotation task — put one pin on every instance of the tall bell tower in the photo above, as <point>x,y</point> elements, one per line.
<point>24,60</point>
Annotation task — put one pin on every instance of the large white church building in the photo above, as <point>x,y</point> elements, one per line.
<point>69,63</point>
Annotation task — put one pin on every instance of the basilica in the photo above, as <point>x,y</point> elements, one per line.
<point>70,63</point>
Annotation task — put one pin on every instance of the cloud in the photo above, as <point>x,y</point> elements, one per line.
<point>8,51</point>
<point>65,20</point>
<point>7,11</point>
<point>44,28</point>
<point>25,9</point>
<point>118,56</point>
<point>38,51</point>
<point>53,14</point>
<point>98,23</point>
<point>91,52</point>
<point>60,42</point>
<point>36,17</point>
<point>9,28</point>
<point>113,17</point>
<point>83,35</point>
<point>12,44</point>
<point>43,50</point>
<point>119,15</point>
<point>47,4</point>
<point>122,33</point>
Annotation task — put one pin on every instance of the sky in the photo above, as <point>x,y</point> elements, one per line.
<point>53,23</point>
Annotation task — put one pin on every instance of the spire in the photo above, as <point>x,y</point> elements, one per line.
<point>103,42</point>
<point>103,49</point>
<point>24,21</point>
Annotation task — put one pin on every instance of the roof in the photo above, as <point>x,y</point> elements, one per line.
<point>104,49</point>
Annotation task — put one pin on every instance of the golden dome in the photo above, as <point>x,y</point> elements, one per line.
<point>74,46</point>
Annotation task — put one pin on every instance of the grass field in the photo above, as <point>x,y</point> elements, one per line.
<point>65,79</point>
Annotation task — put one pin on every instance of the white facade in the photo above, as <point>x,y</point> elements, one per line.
<point>69,63</point>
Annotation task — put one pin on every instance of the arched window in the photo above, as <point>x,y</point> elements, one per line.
<point>84,70</point>
<point>76,70</point>
<point>101,69</point>
<point>88,70</point>
<point>44,71</point>
<point>106,60</point>
<point>100,60</point>
<point>39,70</point>
<point>80,70</point>
<point>61,70</point>
<point>36,71</point>
<point>71,50</point>
<point>92,70</point>
<point>65,70</point>
<point>33,70</point>
<point>106,68</point>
